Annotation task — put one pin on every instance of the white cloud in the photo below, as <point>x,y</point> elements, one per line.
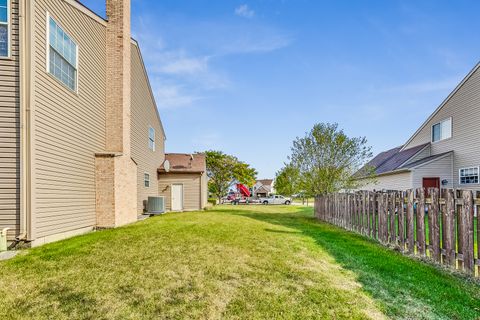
<point>257,43</point>
<point>244,11</point>
<point>206,141</point>
<point>184,65</point>
<point>169,96</point>
<point>182,62</point>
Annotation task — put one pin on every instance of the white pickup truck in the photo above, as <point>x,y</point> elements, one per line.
<point>276,199</point>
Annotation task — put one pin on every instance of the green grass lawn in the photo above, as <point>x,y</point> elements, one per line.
<point>255,262</point>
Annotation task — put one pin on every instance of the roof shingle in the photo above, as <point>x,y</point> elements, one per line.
<point>391,160</point>
<point>185,163</point>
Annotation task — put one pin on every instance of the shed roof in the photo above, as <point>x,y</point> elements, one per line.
<point>185,163</point>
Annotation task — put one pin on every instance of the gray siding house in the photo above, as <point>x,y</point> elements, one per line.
<point>443,152</point>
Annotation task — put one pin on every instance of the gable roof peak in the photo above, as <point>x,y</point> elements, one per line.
<point>457,88</point>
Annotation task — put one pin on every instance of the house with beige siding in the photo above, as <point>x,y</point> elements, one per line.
<point>183,181</point>
<point>443,152</point>
<point>81,139</point>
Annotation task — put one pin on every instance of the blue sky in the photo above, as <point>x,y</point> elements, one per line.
<point>247,77</point>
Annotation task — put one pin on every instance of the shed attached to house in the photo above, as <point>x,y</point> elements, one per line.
<point>182,180</point>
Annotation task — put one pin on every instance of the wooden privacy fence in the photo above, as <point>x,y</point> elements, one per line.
<point>439,224</point>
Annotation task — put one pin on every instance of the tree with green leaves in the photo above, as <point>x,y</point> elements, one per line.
<point>327,160</point>
<point>224,171</point>
<point>287,180</point>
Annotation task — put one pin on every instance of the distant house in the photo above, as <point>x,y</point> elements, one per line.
<point>263,188</point>
<point>183,182</point>
<point>443,152</point>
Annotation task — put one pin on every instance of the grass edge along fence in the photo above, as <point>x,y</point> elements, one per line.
<point>438,224</point>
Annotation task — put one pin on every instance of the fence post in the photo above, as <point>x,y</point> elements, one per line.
<point>467,230</point>
<point>421,221</point>
<point>433,225</point>
<point>410,222</point>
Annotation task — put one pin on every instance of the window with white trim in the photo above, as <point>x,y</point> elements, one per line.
<point>469,175</point>
<point>4,28</point>
<point>63,55</point>
<point>151,138</point>
<point>146,180</point>
<point>442,130</point>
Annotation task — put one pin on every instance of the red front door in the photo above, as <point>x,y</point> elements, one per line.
<point>431,183</point>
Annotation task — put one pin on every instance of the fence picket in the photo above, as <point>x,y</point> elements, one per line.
<point>392,232</point>
<point>379,218</point>
<point>401,221</point>
<point>421,221</point>
<point>384,216</point>
<point>433,215</point>
<point>467,229</point>
<point>410,222</point>
<point>368,205</point>
<point>478,234</point>
<point>374,215</point>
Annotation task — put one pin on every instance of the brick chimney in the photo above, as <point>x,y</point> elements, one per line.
<point>118,76</point>
<point>116,172</point>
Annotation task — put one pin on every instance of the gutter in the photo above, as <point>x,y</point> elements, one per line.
<point>387,173</point>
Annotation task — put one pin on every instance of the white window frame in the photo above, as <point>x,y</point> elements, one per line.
<point>146,180</point>
<point>440,123</point>
<point>9,32</point>
<point>150,140</point>
<point>77,49</point>
<point>467,168</point>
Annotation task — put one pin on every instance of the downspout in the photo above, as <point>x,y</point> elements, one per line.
<point>25,87</point>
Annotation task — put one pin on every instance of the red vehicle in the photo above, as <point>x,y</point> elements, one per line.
<point>242,196</point>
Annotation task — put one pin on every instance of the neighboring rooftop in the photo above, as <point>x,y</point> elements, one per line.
<point>391,160</point>
<point>185,163</point>
<point>262,189</point>
<point>265,182</point>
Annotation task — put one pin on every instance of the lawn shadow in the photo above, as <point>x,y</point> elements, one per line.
<point>404,287</point>
<point>282,231</point>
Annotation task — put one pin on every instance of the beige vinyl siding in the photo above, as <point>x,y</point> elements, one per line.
<point>144,115</point>
<point>426,152</point>
<point>204,190</point>
<point>191,189</point>
<point>68,128</point>
<point>441,168</point>
<point>464,108</point>
<point>10,132</point>
<point>400,181</point>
